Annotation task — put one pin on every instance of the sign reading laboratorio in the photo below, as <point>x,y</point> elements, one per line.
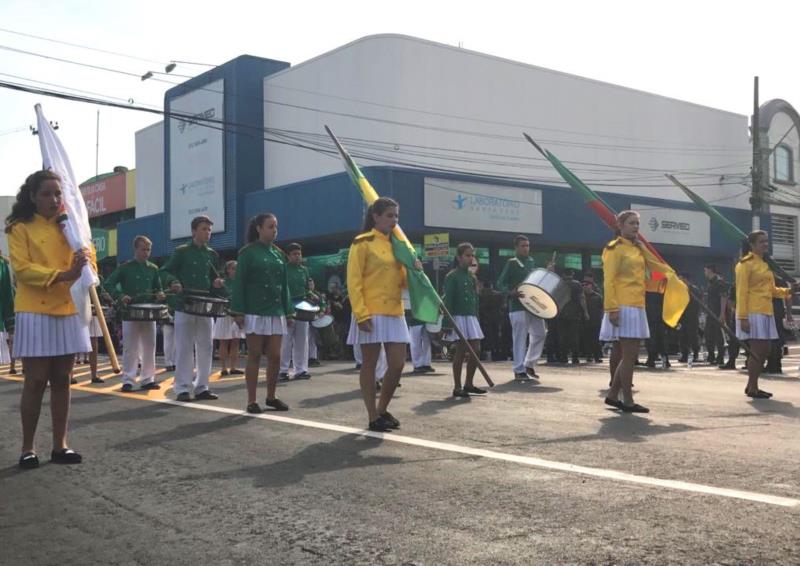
<point>196,159</point>
<point>478,206</point>
<point>437,245</point>
<point>674,226</point>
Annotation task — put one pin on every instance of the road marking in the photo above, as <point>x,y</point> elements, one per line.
<point>531,461</point>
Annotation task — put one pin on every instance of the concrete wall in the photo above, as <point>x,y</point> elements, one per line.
<point>406,101</point>
<point>150,170</point>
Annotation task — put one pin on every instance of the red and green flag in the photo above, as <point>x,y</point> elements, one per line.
<point>424,299</point>
<point>676,294</point>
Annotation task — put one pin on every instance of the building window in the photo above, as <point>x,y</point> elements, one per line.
<point>784,241</point>
<point>784,170</point>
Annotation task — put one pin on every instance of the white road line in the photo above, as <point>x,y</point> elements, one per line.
<point>501,456</point>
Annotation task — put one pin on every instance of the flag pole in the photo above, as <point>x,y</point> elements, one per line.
<point>442,307</point>
<point>101,319</point>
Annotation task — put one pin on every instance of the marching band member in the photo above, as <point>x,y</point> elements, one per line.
<point>524,325</point>
<point>227,331</point>
<point>96,333</point>
<point>192,268</point>
<point>461,300</point>
<point>48,330</point>
<point>261,305</point>
<point>755,322</point>
<point>318,299</point>
<point>375,280</point>
<point>168,332</point>
<point>137,281</point>
<point>420,344</point>
<point>295,342</point>
<point>6,310</point>
<point>625,261</point>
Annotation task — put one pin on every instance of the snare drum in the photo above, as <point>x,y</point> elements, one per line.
<point>544,293</point>
<point>435,328</point>
<point>323,321</point>
<point>205,305</point>
<point>146,312</point>
<point>305,311</point>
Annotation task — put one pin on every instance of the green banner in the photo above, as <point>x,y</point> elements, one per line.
<point>102,243</point>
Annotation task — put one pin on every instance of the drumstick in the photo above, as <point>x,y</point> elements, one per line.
<point>553,259</point>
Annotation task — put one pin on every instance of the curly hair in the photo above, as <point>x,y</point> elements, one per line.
<point>24,207</point>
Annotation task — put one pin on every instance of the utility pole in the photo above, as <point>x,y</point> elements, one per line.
<point>755,134</point>
<point>97,148</point>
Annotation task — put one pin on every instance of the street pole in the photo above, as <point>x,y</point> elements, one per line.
<point>755,196</point>
<point>97,148</point>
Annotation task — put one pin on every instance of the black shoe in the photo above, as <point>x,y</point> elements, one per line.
<point>419,370</point>
<point>183,397</point>
<point>575,361</point>
<point>380,425</point>
<point>223,373</point>
<point>387,416</point>
<point>313,363</point>
<point>530,372</point>
<point>521,377</point>
<point>358,366</point>
<point>236,372</point>
<point>150,386</point>
<point>650,363</point>
<point>12,371</point>
<point>474,390</point>
<point>429,369</point>
<point>758,394</point>
<point>283,377</point>
<point>613,403</point>
<point>767,393</point>
<point>65,456</point>
<point>73,381</point>
<point>635,408</point>
<point>206,395</point>
<point>598,360</point>
<point>28,461</point>
<point>460,393</point>
<point>126,388</point>
<point>276,405</point>
<point>98,380</point>
<point>254,409</point>
<point>683,360</point>
<point>302,375</point>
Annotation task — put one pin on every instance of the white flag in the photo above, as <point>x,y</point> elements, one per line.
<point>75,219</point>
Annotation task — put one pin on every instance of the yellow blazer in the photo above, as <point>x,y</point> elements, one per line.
<point>755,287</point>
<point>625,266</point>
<point>375,279</point>
<point>39,251</point>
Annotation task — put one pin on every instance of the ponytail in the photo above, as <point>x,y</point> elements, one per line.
<point>378,207</point>
<point>255,222</point>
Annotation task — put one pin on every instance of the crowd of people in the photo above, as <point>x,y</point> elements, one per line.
<point>267,298</point>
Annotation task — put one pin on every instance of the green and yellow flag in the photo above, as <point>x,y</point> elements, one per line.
<point>424,299</point>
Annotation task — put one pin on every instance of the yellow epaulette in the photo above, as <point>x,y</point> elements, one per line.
<point>748,257</point>
<point>613,243</point>
<point>365,237</point>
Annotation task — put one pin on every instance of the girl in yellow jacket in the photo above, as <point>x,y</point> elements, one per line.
<point>48,330</point>
<point>755,323</point>
<point>375,280</point>
<point>625,265</point>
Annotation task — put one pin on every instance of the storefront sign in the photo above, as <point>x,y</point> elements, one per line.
<point>105,242</point>
<point>105,196</point>
<point>674,226</point>
<point>196,153</point>
<point>437,245</point>
<point>478,206</point>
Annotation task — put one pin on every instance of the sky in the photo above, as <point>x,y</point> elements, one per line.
<point>705,52</point>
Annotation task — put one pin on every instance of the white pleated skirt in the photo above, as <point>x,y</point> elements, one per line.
<point>469,327</point>
<point>384,329</point>
<point>762,327</point>
<point>94,328</point>
<point>632,324</point>
<point>5,355</point>
<point>39,335</point>
<point>225,328</point>
<point>264,325</point>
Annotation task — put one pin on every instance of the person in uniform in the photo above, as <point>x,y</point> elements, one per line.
<point>48,330</point>
<point>590,336</point>
<point>168,332</point>
<point>375,280</point>
<point>193,268</point>
<point>137,281</point>
<point>689,327</point>
<point>6,310</point>
<point>570,321</point>
<point>714,338</point>
<point>227,332</point>
<point>420,344</point>
<point>755,321</point>
<point>625,261</point>
<point>461,300</point>
<point>261,305</point>
<point>294,349</point>
<point>527,331</point>
<point>316,298</point>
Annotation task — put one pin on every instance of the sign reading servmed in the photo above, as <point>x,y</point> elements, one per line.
<point>674,226</point>
<point>479,206</point>
<point>196,154</point>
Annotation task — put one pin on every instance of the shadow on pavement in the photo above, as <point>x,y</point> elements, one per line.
<point>772,407</point>
<point>435,405</point>
<point>148,411</point>
<point>331,399</point>
<point>183,432</point>
<point>624,427</point>
<point>323,457</point>
<point>515,386</point>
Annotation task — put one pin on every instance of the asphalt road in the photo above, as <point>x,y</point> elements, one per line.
<point>170,484</point>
